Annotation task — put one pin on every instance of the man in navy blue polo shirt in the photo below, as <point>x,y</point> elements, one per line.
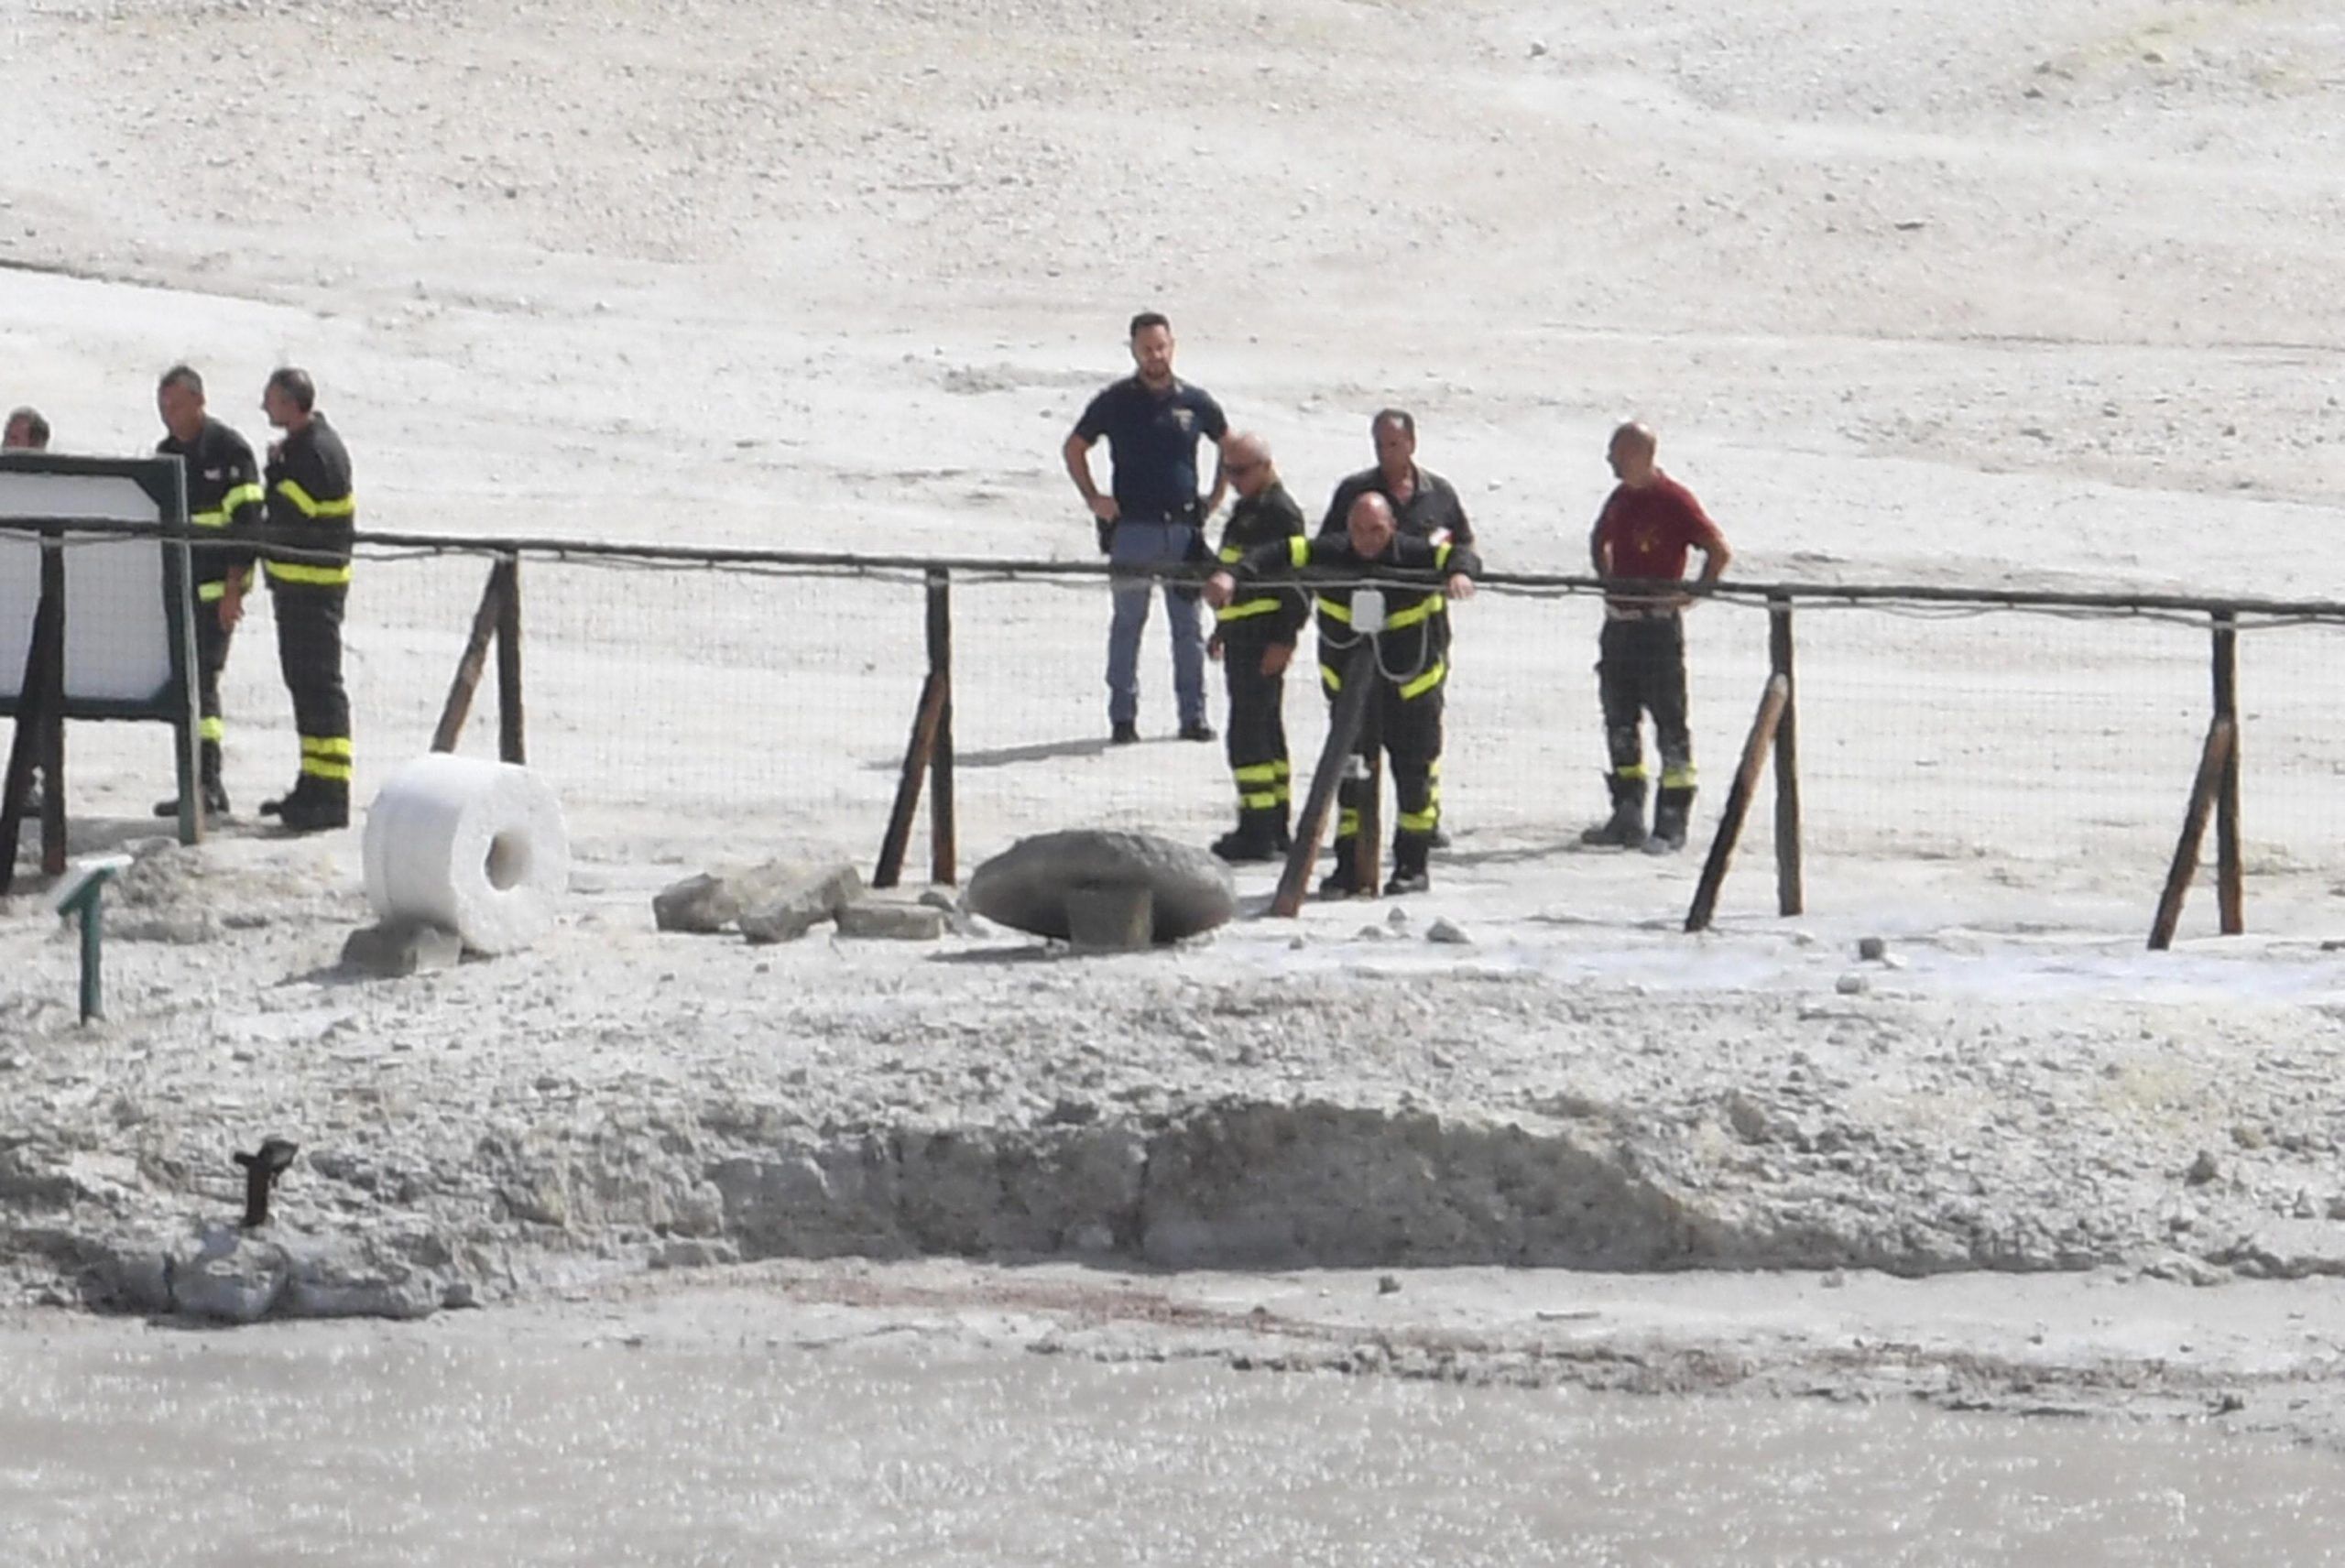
<point>1152,517</point>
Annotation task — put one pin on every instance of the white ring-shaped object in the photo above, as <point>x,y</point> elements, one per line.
<point>476,847</point>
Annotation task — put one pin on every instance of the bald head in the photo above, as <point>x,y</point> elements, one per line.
<point>1370,525</point>
<point>1245,458</point>
<point>1632,452</point>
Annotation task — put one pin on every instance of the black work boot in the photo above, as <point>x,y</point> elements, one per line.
<point>1669,821</point>
<point>215,794</point>
<point>1343,882</point>
<point>1625,829</point>
<point>303,787</point>
<point>1255,839</point>
<point>1409,873</point>
<point>326,806</point>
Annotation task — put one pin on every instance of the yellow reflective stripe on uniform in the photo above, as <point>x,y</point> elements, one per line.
<point>1260,800</point>
<point>1281,795</point>
<point>1678,777</point>
<point>316,769</point>
<point>208,519</point>
<point>309,506</point>
<point>1298,551</point>
<point>208,592</point>
<point>1347,822</point>
<point>294,571</point>
<point>1256,773</point>
<point>1245,609</point>
<point>1440,553</point>
<point>1334,611</point>
<point>1432,604</point>
<point>1635,775</point>
<point>212,730</point>
<point>1419,822</point>
<point>243,495</point>
<point>1427,681</point>
<point>1285,771</point>
<point>1232,554</point>
<point>1330,679</point>
<point>326,745</point>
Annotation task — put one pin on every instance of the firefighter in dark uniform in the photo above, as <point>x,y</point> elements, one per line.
<point>1424,505</point>
<point>1648,526</point>
<point>1254,637</point>
<point>312,512</point>
<point>1410,666</point>
<point>225,505</point>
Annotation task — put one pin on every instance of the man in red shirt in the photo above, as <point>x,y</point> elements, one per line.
<point>1648,524</point>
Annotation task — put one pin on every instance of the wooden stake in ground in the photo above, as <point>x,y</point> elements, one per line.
<point>2214,760</point>
<point>1343,737</point>
<point>1772,703</point>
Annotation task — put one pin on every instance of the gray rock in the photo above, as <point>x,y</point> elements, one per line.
<point>132,1276</point>
<point>2202,1171</point>
<point>335,1277</point>
<point>714,901</point>
<point>957,919</point>
<point>783,901</point>
<point>1852,984</point>
<point>1871,949</point>
<point>223,1274</point>
<point>1749,1118</point>
<point>875,921</point>
<point>702,904</point>
<point>1445,930</point>
<point>400,947</point>
<point>228,1277</point>
<point>1025,887</point>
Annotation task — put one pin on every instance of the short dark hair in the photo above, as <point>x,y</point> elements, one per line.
<point>35,426</point>
<point>296,384</point>
<point>1401,417</point>
<point>181,375</point>
<point>1148,319</point>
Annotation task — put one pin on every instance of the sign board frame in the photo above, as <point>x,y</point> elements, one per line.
<point>67,537</point>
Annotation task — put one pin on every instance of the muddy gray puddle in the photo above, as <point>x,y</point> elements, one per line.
<point>561,1439</point>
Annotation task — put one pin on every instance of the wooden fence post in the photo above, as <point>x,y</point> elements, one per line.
<point>943,833</point>
<point>928,754</point>
<point>1791,878</point>
<point>510,727</point>
<point>2230,892</point>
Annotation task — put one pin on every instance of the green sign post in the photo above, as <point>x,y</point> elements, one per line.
<point>83,896</point>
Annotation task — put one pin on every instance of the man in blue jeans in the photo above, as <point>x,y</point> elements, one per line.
<point>1151,515</point>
